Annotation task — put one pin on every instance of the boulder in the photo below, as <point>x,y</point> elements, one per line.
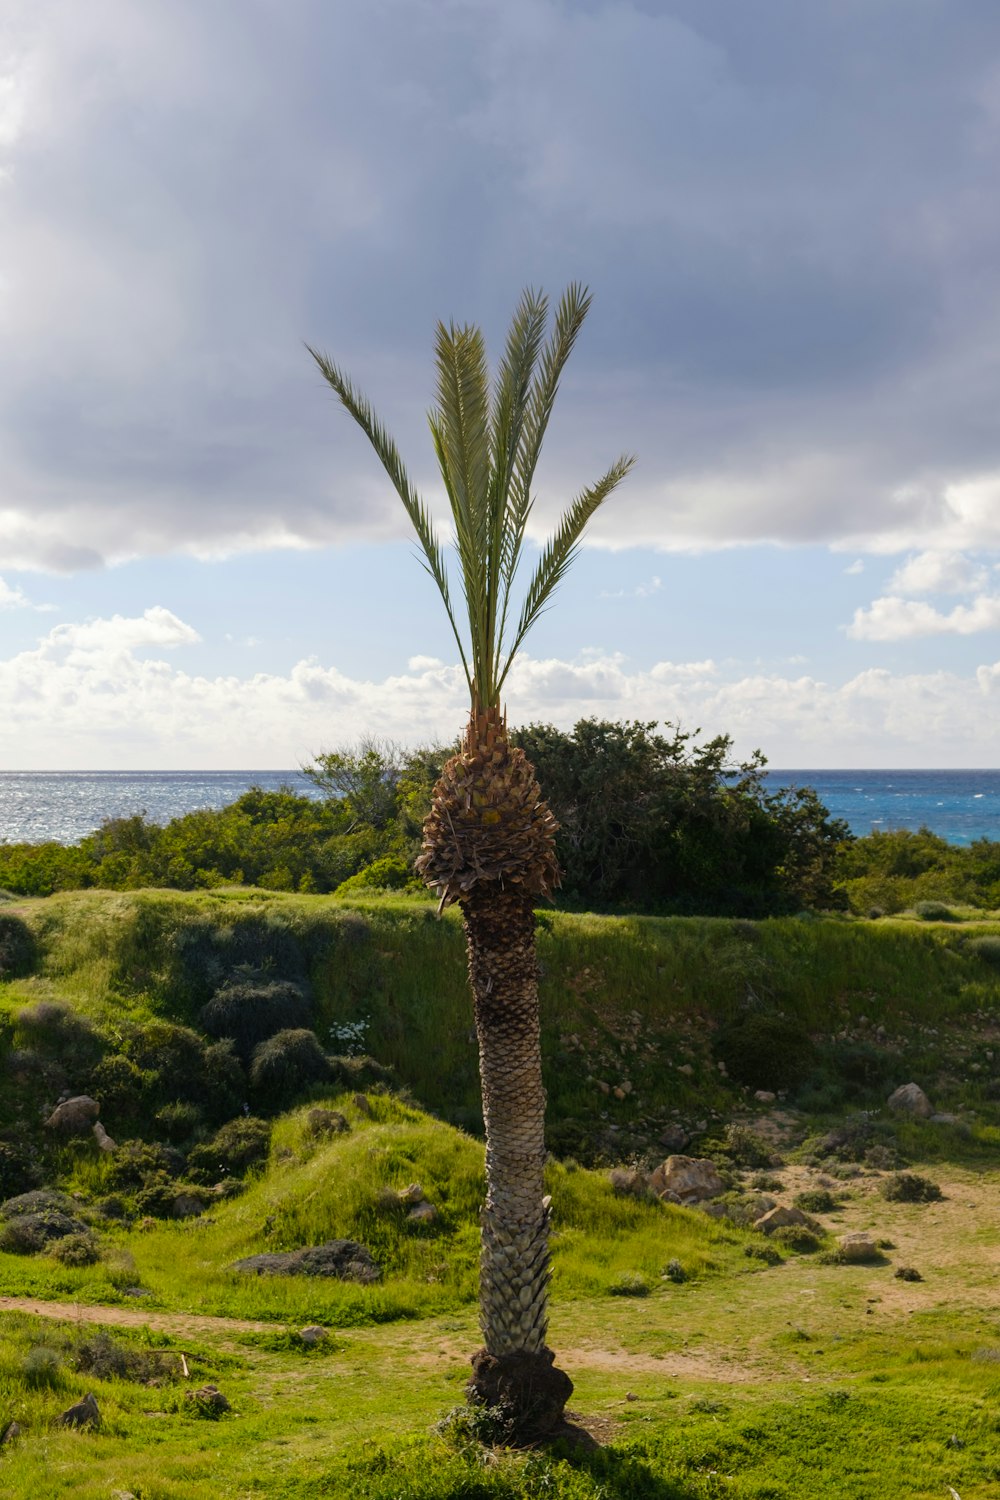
<point>693,1179</point>
<point>910,1099</point>
<point>856,1248</point>
<point>104,1141</point>
<point>345,1260</point>
<point>674,1138</point>
<point>187,1206</point>
<point>83,1414</point>
<point>325,1122</point>
<point>75,1117</point>
<point>780,1217</point>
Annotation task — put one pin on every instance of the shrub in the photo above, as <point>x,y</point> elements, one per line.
<point>21,1237</point>
<point>910,1187</point>
<point>908,1273</point>
<point>674,1271</point>
<point>79,1249</point>
<point>816,1201</point>
<point>765,1049</point>
<point>988,949</point>
<point>19,1170</point>
<point>225,1082</point>
<point>17,947</point>
<point>747,1148</point>
<point>156,1198</point>
<point>120,1088</point>
<point>42,1368</point>
<point>767,1253</point>
<point>137,1163</point>
<point>250,1011</point>
<point>174,1055</point>
<point>108,1359</point>
<point>232,1151</point>
<point>797,1237</point>
<point>629,1284</point>
<point>178,1122</point>
<point>286,1064</point>
<point>934,911</point>
<point>391,873</point>
<point>56,1031</point>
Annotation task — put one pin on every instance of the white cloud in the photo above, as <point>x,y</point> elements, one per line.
<point>640,591</point>
<point>857,566</point>
<point>155,627</point>
<point>424,663</point>
<point>15,598</point>
<point>93,696</point>
<point>896,619</point>
<point>938,572</point>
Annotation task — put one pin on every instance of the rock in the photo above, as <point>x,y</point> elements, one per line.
<point>605,1088</point>
<point>855,1248</point>
<point>714,1210</point>
<point>910,1099</point>
<point>75,1117</point>
<point>693,1179</point>
<point>104,1141</point>
<point>324,1122</point>
<point>31,1231</point>
<point>187,1206</point>
<point>362,1104</point>
<point>422,1213</point>
<point>945,1119</point>
<point>313,1335</point>
<point>628,1181</point>
<point>83,1414</point>
<point>764,1096</point>
<point>38,1201</point>
<point>344,1259</point>
<point>122,1495</point>
<point>779,1217</point>
<point>209,1400</point>
<point>619,1093</point>
<point>674,1138</point>
<point>412,1193</point>
<point>11,1431</point>
<point>686,1069</point>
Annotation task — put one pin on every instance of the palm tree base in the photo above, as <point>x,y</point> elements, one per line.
<point>527,1387</point>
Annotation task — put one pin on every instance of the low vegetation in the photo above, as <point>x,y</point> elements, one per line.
<point>710,1360</point>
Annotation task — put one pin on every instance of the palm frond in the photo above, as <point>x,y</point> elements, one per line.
<point>377,434</point>
<point>560,550</point>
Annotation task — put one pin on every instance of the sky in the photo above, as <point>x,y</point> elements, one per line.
<point>789,220</point>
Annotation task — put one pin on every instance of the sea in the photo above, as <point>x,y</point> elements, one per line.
<point>65,805</point>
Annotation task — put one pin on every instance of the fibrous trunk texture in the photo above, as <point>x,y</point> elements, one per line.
<point>489,844</point>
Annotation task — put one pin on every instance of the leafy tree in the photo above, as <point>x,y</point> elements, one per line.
<point>488,839</point>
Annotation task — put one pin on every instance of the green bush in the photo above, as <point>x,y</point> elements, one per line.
<point>285,1064</point>
<point>18,952</point>
<point>986,948</point>
<point>390,873</point>
<point>232,1151</point>
<point>79,1249</point>
<point>765,1049</point>
<point>121,1089</point>
<point>56,1031</point>
<point>249,1011</point>
<point>816,1201</point>
<point>934,911</point>
<point>135,1164</point>
<point>910,1187</point>
<point>629,1284</point>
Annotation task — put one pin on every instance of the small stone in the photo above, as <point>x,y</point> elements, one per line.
<point>605,1088</point>
<point>209,1400</point>
<point>764,1096</point>
<point>619,1093</point>
<point>324,1122</point>
<point>11,1431</point>
<point>422,1213</point>
<point>313,1335</point>
<point>104,1141</point>
<point>187,1206</point>
<point>83,1414</point>
<point>686,1069</point>
<point>412,1193</point>
<point>361,1102</point>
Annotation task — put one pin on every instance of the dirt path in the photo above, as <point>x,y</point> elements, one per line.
<point>129,1317</point>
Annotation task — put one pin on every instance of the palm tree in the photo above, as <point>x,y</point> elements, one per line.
<point>488,839</point>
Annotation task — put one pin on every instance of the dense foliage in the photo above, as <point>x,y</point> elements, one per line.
<point>649,821</point>
<point>893,871</point>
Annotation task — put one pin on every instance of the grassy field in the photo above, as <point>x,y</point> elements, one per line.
<point>701,1369</point>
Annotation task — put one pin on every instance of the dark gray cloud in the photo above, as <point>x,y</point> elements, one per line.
<point>787,212</point>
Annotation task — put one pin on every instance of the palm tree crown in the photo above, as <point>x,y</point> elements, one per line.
<point>488,442</point>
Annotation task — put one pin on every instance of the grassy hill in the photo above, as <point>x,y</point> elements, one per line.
<point>709,1361</point>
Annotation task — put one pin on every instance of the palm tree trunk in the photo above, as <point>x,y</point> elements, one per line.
<point>515,1370</point>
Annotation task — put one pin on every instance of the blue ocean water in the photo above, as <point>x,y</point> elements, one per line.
<point>957,805</point>
<point>66,805</point>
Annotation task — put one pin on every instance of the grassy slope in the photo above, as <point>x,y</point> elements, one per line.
<point>799,1381</point>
